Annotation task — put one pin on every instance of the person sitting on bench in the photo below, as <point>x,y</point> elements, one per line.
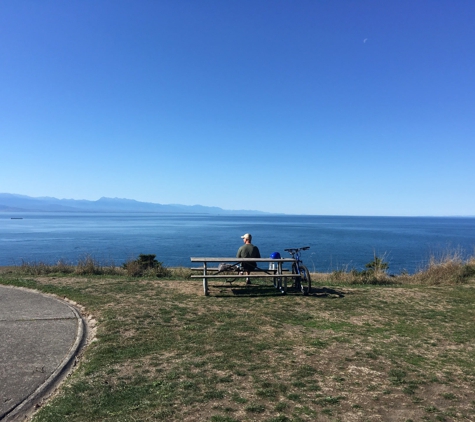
<point>248,250</point>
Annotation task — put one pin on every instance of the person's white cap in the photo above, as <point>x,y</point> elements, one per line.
<point>246,236</point>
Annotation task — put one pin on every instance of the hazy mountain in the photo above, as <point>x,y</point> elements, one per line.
<point>22,203</point>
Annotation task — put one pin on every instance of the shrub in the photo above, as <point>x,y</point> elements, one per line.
<point>375,273</point>
<point>146,265</point>
<point>377,265</point>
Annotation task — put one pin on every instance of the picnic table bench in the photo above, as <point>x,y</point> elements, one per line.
<point>279,274</point>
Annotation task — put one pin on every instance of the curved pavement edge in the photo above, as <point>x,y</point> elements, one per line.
<point>25,408</point>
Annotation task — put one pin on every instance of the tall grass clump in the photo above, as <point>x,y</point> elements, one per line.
<point>41,268</point>
<point>87,265</point>
<point>143,266</point>
<point>450,268</point>
<point>181,273</point>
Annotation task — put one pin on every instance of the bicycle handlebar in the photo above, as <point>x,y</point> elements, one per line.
<point>294,250</point>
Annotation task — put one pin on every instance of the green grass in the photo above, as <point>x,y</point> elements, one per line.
<point>166,352</point>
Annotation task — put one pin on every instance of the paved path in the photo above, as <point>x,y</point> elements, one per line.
<point>40,336</point>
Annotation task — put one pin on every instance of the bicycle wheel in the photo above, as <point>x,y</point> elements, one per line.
<point>305,282</point>
<point>296,278</point>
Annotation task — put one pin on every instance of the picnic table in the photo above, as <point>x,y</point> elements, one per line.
<point>279,274</point>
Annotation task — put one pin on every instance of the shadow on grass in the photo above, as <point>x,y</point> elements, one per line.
<point>246,290</point>
<point>257,290</point>
<point>326,292</point>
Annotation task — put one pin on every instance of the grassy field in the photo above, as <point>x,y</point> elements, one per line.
<point>346,352</point>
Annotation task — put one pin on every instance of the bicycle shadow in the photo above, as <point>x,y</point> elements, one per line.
<point>326,292</point>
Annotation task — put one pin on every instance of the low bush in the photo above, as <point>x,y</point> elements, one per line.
<point>375,272</point>
<point>146,266</point>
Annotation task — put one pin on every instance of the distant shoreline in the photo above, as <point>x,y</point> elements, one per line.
<point>224,214</point>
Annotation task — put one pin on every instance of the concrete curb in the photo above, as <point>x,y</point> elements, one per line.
<point>35,400</point>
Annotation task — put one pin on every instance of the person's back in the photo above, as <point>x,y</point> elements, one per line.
<point>248,250</point>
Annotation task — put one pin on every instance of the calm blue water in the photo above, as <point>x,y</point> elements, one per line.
<point>336,242</point>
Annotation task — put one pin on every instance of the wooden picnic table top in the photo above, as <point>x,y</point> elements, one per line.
<point>228,259</point>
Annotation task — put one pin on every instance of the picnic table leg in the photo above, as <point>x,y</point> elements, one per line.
<point>205,280</point>
<point>283,287</point>
<point>278,278</point>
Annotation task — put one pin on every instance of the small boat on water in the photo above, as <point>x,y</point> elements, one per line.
<point>17,218</point>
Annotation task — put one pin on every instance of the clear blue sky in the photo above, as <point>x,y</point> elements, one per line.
<point>306,107</point>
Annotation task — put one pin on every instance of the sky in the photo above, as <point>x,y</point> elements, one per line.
<point>323,107</point>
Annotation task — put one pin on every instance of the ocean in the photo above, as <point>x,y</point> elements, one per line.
<point>336,242</point>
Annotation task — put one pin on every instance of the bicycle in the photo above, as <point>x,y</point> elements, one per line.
<point>302,280</point>
<point>230,269</point>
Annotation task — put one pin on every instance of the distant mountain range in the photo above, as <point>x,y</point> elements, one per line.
<point>20,203</point>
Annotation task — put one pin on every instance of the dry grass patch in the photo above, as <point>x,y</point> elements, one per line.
<point>448,269</point>
<point>166,352</point>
